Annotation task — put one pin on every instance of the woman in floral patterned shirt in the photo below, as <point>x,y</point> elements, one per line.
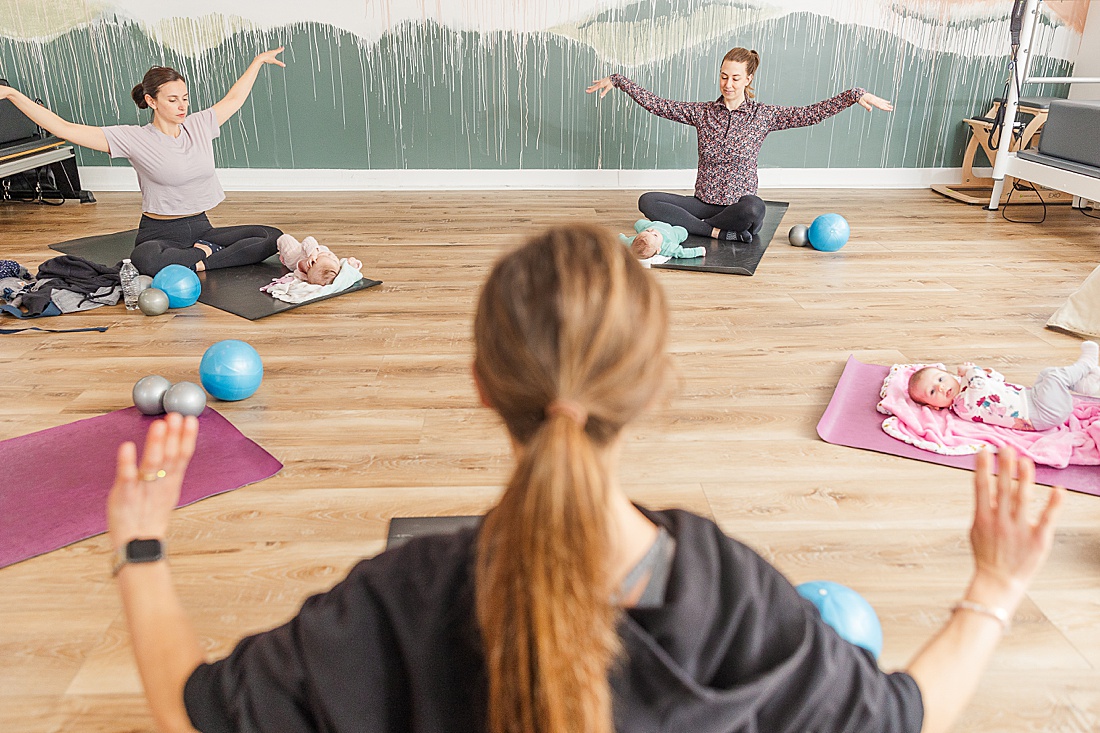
<point>731,130</point>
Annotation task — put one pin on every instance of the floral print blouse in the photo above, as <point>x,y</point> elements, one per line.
<point>730,140</point>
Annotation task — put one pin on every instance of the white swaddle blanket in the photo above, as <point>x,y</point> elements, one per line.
<point>292,290</point>
<point>296,256</point>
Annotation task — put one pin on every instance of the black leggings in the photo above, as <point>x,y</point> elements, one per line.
<point>163,242</point>
<point>747,215</point>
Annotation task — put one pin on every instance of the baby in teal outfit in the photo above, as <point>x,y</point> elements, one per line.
<point>659,238</point>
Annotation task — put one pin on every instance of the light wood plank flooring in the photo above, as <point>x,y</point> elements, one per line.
<point>368,401</point>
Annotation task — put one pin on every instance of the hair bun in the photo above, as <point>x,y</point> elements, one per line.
<point>138,94</point>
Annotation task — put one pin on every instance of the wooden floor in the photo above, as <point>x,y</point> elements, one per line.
<point>367,400</point>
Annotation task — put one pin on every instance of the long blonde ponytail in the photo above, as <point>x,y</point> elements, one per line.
<point>570,336</point>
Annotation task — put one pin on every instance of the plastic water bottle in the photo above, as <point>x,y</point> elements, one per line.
<point>128,275</point>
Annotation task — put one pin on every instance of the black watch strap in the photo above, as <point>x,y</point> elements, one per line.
<point>137,551</point>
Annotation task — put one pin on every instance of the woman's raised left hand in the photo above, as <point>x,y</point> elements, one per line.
<point>869,101</point>
<point>271,57</point>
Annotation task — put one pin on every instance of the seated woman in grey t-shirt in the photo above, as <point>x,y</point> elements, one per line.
<point>174,159</point>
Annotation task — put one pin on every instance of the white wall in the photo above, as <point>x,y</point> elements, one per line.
<point>1088,58</point>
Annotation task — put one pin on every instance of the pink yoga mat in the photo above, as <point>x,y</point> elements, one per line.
<point>56,481</point>
<point>852,420</point>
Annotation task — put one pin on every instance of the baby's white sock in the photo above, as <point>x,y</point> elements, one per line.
<point>1089,384</point>
<point>1090,352</point>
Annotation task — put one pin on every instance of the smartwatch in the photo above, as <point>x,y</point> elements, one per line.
<point>137,551</point>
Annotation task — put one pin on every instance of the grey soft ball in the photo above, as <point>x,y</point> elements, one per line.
<point>186,398</point>
<point>153,302</point>
<point>149,394</point>
<point>799,235</point>
<point>144,282</point>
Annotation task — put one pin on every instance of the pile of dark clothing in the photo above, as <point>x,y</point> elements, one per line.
<point>65,284</point>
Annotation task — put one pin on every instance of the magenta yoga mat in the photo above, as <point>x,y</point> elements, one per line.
<point>56,481</point>
<point>851,420</point>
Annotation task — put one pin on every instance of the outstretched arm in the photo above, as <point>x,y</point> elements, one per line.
<point>1008,550</point>
<point>784,118</point>
<point>140,503</point>
<point>238,93</point>
<point>83,135</point>
<point>685,112</point>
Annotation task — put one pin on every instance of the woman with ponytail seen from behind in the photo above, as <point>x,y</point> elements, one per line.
<point>570,609</point>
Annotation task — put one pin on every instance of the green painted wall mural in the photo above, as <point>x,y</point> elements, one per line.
<point>410,84</point>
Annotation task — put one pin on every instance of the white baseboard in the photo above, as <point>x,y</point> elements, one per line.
<point>104,178</point>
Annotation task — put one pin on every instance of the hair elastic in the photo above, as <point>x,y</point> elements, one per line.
<point>573,410</point>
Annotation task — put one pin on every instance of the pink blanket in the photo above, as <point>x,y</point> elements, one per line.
<point>942,431</point>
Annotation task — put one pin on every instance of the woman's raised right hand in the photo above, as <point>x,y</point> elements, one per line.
<point>6,91</point>
<point>1008,547</point>
<point>603,86</point>
<point>144,495</point>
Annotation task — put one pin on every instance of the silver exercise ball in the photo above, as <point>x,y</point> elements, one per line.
<point>799,235</point>
<point>153,302</point>
<point>149,394</point>
<point>186,398</point>
<point>144,282</point>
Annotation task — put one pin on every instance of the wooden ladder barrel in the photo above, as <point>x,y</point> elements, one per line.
<point>976,189</point>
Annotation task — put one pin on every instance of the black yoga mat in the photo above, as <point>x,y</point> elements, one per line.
<point>732,258</point>
<point>235,290</point>
<point>403,529</point>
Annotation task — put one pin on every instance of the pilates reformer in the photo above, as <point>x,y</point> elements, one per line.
<point>35,166</point>
<point>1080,181</point>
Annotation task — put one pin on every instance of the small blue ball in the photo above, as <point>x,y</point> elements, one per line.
<point>231,370</point>
<point>829,232</point>
<point>850,615</point>
<point>181,285</point>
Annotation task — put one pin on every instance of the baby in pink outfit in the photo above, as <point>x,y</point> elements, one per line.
<point>983,395</point>
<point>310,261</point>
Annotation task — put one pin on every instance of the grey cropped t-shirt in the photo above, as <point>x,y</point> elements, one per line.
<point>176,175</point>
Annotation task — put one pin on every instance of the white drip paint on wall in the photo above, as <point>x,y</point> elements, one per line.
<point>497,100</point>
<point>974,27</point>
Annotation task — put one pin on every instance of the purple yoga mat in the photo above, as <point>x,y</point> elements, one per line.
<point>56,481</point>
<point>852,420</point>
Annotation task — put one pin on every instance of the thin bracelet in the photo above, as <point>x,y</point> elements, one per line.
<point>1001,615</point>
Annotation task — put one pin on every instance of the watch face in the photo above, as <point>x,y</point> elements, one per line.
<point>144,551</point>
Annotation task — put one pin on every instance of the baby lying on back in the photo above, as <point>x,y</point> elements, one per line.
<point>983,395</point>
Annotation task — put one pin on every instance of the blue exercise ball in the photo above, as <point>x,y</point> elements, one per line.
<point>180,284</point>
<point>231,370</point>
<point>849,613</point>
<point>829,232</point>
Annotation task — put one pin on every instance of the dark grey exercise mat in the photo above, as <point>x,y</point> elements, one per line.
<point>234,290</point>
<point>403,529</point>
<point>732,258</point>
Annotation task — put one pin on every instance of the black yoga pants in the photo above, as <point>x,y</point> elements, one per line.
<point>747,215</point>
<point>160,243</point>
